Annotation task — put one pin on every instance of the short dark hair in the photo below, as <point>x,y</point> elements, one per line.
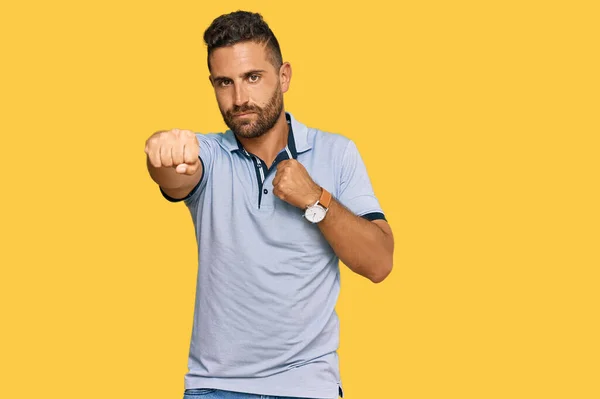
<point>241,26</point>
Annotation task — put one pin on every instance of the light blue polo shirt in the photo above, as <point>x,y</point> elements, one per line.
<point>268,281</point>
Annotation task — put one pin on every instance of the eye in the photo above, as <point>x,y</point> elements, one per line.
<point>224,82</point>
<point>253,78</point>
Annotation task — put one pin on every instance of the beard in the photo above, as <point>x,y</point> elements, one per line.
<point>266,117</point>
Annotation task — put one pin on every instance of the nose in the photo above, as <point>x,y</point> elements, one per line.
<point>241,95</point>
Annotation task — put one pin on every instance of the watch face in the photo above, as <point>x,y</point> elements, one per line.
<point>315,214</point>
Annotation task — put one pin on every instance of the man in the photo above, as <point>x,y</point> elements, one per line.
<point>275,205</point>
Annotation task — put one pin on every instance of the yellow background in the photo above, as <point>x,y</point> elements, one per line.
<point>478,122</point>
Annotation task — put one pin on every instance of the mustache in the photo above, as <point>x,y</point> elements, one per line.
<point>239,109</point>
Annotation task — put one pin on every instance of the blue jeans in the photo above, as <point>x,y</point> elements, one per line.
<point>205,393</point>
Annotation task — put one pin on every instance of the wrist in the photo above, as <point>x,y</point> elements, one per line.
<point>316,211</point>
<point>317,192</point>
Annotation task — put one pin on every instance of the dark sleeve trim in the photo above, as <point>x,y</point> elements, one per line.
<point>374,216</point>
<point>171,199</point>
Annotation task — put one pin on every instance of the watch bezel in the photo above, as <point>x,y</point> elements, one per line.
<point>322,211</point>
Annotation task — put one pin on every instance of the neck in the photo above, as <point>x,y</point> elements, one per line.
<point>267,146</point>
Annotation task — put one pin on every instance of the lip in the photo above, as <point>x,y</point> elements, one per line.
<point>243,114</point>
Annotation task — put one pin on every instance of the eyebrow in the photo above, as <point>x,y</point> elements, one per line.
<point>244,75</point>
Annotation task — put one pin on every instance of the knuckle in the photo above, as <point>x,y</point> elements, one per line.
<point>161,136</point>
<point>168,135</point>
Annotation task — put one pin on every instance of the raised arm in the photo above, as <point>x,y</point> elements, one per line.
<point>365,246</point>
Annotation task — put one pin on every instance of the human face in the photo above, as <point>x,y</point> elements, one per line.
<point>249,89</point>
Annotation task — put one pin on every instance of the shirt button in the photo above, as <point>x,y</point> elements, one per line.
<point>265,191</point>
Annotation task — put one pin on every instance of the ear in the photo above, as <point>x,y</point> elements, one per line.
<point>211,80</point>
<point>285,76</point>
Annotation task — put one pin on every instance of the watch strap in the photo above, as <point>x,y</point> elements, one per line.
<point>325,198</point>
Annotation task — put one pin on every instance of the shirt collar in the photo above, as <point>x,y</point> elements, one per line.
<point>297,137</point>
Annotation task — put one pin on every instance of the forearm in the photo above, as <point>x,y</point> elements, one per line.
<point>364,246</point>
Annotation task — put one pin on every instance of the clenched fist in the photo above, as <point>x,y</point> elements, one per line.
<point>293,184</point>
<point>174,148</point>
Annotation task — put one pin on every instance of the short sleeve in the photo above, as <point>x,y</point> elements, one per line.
<point>356,191</point>
<point>206,156</point>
